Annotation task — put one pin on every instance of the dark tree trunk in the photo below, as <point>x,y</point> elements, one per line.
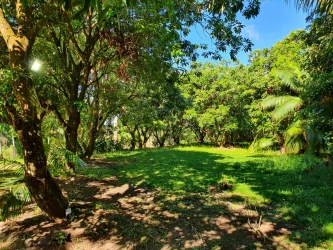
<point>160,139</point>
<point>89,150</point>
<point>41,185</point>
<point>71,135</point>
<point>43,188</point>
<point>145,140</point>
<point>91,145</point>
<point>133,141</point>
<point>144,136</point>
<point>200,134</point>
<point>140,140</point>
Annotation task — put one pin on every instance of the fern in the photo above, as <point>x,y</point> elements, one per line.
<point>59,156</point>
<point>16,194</point>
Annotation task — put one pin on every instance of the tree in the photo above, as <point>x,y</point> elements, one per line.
<point>219,100</point>
<point>286,81</point>
<point>319,91</point>
<point>24,112</point>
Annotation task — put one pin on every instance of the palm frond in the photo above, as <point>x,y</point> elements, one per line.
<point>17,195</point>
<point>274,101</point>
<point>262,143</point>
<point>10,206</point>
<point>294,145</point>
<point>58,158</point>
<point>295,129</point>
<point>294,137</point>
<point>289,79</point>
<point>287,107</point>
<point>321,6</point>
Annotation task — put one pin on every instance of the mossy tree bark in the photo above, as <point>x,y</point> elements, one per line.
<point>25,113</point>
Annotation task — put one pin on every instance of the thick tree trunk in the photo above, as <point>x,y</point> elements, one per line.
<point>200,134</point>
<point>41,185</point>
<point>145,140</point>
<point>176,139</point>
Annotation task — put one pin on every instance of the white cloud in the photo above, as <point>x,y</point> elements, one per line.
<point>251,32</point>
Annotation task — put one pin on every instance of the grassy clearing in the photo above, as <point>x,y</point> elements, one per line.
<point>296,189</point>
<point>277,202</point>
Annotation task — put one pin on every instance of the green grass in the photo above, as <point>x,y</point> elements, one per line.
<point>300,198</point>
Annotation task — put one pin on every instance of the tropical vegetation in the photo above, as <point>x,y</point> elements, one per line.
<point>123,75</point>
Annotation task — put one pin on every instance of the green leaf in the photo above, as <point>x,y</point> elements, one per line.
<point>289,106</point>
<point>102,14</point>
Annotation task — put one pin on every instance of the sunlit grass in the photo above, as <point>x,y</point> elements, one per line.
<point>298,188</point>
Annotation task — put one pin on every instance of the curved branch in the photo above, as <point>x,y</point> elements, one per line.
<point>5,29</point>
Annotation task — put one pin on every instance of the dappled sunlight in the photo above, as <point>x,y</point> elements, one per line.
<point>167,205</point>
<point>224,224</point>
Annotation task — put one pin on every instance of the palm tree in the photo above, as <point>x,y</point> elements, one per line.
<point>320,6</point>
<point>293,139</point>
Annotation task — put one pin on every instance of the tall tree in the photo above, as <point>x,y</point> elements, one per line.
<point>24,112</point>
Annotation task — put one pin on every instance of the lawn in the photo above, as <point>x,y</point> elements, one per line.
<point>165,199</point>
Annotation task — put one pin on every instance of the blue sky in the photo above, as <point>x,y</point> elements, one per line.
<point>274,22</point>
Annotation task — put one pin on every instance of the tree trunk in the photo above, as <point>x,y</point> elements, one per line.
<point>133,140</point>
<point>71,135</point>
<point>140,139</point>
<point>115,129</point>
<point>160,139</point>
<point>282,149</point>
<point>89,150</point>
<point>176,139</point>
<point>41,185</point>
<point>90,147</point>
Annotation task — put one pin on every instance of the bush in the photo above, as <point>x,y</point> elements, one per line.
<point>104,146</point>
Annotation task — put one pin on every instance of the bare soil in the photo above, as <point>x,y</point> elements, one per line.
<point>110,215</point>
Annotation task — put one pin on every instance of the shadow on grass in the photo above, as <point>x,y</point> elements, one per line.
<point>167,206</point>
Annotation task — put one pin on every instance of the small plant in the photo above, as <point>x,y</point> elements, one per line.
<point>60,238</point>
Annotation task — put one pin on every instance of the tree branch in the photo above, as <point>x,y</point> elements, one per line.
<point>59,116</point>
<point>5,29</point>
<point>73,39</point>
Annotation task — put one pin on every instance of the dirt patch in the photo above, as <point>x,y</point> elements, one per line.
<point>110,215</point>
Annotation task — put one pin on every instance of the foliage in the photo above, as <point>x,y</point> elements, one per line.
<point>219,98</point>
<point>284,97</point>
<point>14,193</point>
<point>104,146</point>
<point>319,92</point>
